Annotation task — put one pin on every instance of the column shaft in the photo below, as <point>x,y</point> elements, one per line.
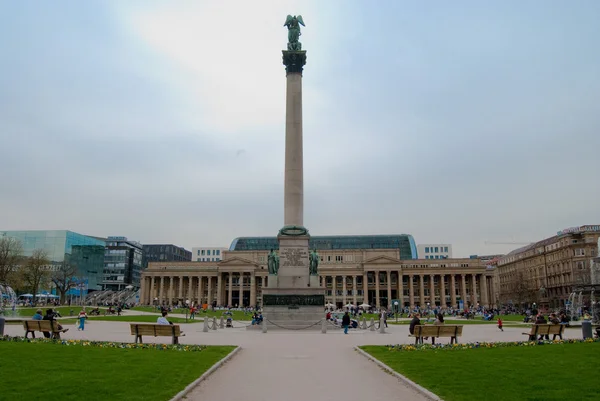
<point>389,289</point>
<point>209,289</point>
<point>432,290</point>
<point>344,290</point>
<point>180,287</point>
<point>422,290</point>
<point>366,288</point>
<point>453,290</point>
<point>220,289</point>
<point>411,291</point>
<point>190,294</point>
<point>377,301</point>
<point>474,289</point>
<point>200,290</point>
<point>294,180</point>
<point>464,290</point>
<point>253,289</point>
<point>354,291</point>
<point>442,291</point>
<point>161,296</point>
<point>230,292</point>
<point>334,291</point>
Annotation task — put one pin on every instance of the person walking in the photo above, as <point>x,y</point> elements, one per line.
<point>82,317</point>
<point>500,323</point>
<point>346,322</point>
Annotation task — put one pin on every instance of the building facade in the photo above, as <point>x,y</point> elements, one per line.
<point>123,263</point>
<point>372,276</point>
<point>548,271</point>
<point>434,251</point>
<point>85,252</point>
<point>166,253</point>
<point>207,254</point>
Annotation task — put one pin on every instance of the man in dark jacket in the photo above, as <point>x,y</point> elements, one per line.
<point>51,315</point>
<point>346,322</point>
<point>414,322</point>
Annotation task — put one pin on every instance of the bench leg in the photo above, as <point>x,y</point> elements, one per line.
<point>138,339</point>
<point>56,336</point>
<point>452,340</point>
<point>416,340</point>
<point>175,340</point>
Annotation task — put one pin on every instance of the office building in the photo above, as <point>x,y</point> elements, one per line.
<point>123,264</point>
<point>434,251</point>
<point>166,252</point>
<point>207,254</point>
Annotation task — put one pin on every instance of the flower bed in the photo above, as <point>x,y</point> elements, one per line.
<point>108,344</point>
<point>465,346</point>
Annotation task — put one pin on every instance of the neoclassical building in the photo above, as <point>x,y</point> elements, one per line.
<point>373,276</point>
<point>547,271</point>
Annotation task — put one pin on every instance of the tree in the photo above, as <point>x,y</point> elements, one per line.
<point>36,272</point>
<point>64,278</point>
<point>11,255</point>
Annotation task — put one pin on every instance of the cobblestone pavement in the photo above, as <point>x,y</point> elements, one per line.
<point>292,365</point>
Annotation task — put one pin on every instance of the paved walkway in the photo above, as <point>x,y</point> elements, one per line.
<point>290,366</point>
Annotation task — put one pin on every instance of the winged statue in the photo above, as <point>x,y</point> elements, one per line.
<point>293,25</point>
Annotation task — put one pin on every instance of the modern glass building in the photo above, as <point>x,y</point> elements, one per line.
<point>123,263</point>
<point>166,253</point>
<point>86,252</point>
<point>404,242</point>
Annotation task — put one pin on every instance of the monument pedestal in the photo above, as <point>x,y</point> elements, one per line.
<point>293,308</point>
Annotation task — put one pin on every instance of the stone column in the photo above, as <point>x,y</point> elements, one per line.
<point>484,291</point>
<point>411,291</point>
<point>294,180</point>
<point>453,290</point>
<point>442,291</point>
<point>344,290</point>
<point>219,289</point>
<point>422,289</point>
<point>253,289</point>
<point>209,289</point>
<point>200,290</point>
<point>161,295</point>
<point>432,290</point>
<point>389,289</point>
<point>230,292</point>
<point>400,290</point>
<point>366,288</point>
<point>354,291</point>
<point>153,293</point>
<point>143,287</point>
<point>181,287</point>
<point>190,294</point>
<point>463,287</point>
<point>333,292</point>
<point>377,301</point>
<point>474,289</point>
<point>171,289</point>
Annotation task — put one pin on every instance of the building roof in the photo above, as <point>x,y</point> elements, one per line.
<point>404,242</point>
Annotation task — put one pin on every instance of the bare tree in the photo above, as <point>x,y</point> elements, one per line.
<point>36,271</point>
<point>64,278</point>
<point>521,290</point>
<point>11,255</point>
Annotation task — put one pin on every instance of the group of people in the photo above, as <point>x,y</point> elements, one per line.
<point>439,321</point>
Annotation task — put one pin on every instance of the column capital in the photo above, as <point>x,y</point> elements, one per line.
<point>294,61</point>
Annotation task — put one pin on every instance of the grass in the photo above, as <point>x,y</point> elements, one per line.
<point>63,310</point>
<point>77,372</point>
<point>553,372</point>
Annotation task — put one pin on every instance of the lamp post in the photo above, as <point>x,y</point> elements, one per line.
<point>396,307</point>
<point>187,308</point>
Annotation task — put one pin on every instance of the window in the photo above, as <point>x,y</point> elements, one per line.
<point>579,252</point>
<point>218,259</point>
<point>218,251</point>
<point>198,252</point>
<point>436,249</point>
<point>426,249</point>
<point>197,259</point>
<point>338,258</point>
<point>203,252</point>
<point>446,249</point>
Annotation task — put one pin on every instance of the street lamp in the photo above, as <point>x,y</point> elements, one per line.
<point>187,308</point>
<point>396,306</point>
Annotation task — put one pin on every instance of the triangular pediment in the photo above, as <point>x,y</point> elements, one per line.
<point>237,261</point>
<point>382,260</point>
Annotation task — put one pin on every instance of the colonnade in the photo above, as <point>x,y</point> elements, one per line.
<point>223,288</point>
<point>411,289</point>
<point>244,288</point>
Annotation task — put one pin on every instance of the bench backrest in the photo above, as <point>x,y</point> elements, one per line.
<point>545,329</point>
<point>438,331</point>
<point>148,329</point>
<point>40,325</point>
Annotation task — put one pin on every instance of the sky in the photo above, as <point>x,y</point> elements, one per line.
<point>457,122</point>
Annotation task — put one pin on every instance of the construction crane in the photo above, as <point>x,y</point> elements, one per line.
<point>507,243</point>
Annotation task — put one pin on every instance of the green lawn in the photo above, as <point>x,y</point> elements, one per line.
<point>63,310</point>
<point>534,373</point>
<point>76,372</point>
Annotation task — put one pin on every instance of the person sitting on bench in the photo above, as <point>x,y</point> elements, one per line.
<point>163,320</point>
<point>50,315</point>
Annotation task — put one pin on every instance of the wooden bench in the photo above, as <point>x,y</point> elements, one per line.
<point>156,330</point>
<point>451,330</point>
<point>48,326</point>
<point>545,330</point>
